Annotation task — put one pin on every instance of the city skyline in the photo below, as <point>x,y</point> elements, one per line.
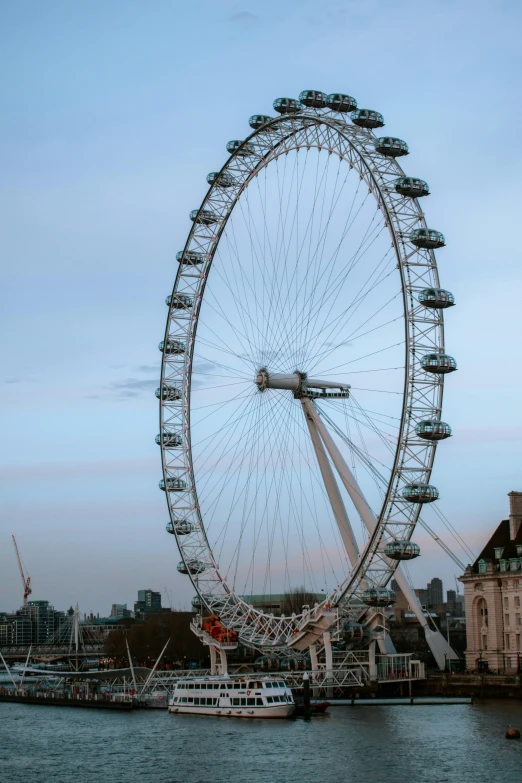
<point>101,175</point>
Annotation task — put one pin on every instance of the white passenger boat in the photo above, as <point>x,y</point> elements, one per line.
<point>233,697</point>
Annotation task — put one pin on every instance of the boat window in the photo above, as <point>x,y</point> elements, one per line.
<point>229,686</point>
<point>237,686</point>
<point>203,686</point>
<point>190,700</point>
<point>196,686</point>
<point>259,702</point>
<point>216,686</point>
<point>268,684</point>
<point>235,702</point>
<point>270,699</point>
<point>183,699</point>
<point>251,702</point>
<point>243,702</point>
<point>196,700</point>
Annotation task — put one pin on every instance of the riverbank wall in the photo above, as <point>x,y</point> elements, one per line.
<point>443,685</point>
<point>66,700</point>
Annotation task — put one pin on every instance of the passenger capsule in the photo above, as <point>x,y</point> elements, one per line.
<point>352,631</point>
<point>241,148</point>
<point>287,105</point>
<point>191,567</point>
<point>204,216</point>
<point>313,99</point>
<point>170,347</point>
<point>222,179</point>
<point>167,392</point>
<point>189,258</point>
<point>197,603</point>
<point>428,429</point>
<point>412,187</point>
<point>427,238</point>
<point>367,118</point>
<point>391,147</point>
<point>438,363</point>
<point>339,102</point>
<point>173,484</point>
<point>179,301</point>
<point>180,526</point>
<point>169,440</point>
<point>420,493</point>
<point>378,596</point>
<point>401,550</point>
<point>436,298</point>
<point>257,121</point>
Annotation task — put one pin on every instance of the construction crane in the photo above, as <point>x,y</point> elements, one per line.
<point>26,580</point>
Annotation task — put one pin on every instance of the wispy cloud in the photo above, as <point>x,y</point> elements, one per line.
<point>242,17</point>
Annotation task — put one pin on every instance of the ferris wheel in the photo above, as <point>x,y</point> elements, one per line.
<point>302,370</point>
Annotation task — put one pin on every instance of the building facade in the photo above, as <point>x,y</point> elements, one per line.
<point>493,597</point>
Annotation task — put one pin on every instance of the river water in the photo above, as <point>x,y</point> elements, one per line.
<point>404,744</point>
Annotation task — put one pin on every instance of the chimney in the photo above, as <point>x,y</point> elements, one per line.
<point>515,513</point>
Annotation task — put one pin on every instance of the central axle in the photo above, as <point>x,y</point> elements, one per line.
<point>300,384</point>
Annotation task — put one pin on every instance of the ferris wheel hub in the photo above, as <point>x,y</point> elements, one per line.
<point>300,384</point>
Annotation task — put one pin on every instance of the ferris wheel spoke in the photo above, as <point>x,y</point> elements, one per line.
<point>341,321</point>
<point>331,298</point>
<point>324,302</point>
<point>283,306</point>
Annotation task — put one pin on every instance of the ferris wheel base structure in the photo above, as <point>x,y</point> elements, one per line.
<point>287,304</point>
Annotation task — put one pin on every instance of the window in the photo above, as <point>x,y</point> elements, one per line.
<point>203,686</point>
<point>268,684</point>
<point>259,702</point>
<point>506,620</point>
<point>183,699</point>
<point>482,567</point>
<point>269,699</point>
<point>243,702</point>
<point>517,620</point>
<point>235,702</point>
<point>251,702</point>
<point>516,583</point>
<point>196,700</point>
<point>236,686</point>
<point>498,552</point>
<point>508,642</point>
<point>229,686</point>
<point>517,601</point>
<point>506,602</point>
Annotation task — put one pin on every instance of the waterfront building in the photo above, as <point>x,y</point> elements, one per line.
<point>120,610</point>
<point>493,597</point>
<point>35,623</point>
<point>148,603</point>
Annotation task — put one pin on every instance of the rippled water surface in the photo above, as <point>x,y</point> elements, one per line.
<point>461,744</point>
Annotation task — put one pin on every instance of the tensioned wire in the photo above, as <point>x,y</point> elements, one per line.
<point>278,285</point>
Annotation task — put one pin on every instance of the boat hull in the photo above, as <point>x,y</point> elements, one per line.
<point>270,711</point>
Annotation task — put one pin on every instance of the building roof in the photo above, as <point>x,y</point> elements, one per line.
<point>500,538</point>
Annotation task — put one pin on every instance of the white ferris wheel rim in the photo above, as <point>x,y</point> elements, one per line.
<point>322,129</point>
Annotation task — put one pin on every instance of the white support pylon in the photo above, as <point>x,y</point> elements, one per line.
<point>336,501</point>
<point>438,644</point>
<point>386,645</point>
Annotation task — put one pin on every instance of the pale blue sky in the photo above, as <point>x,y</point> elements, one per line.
<point>113,114</point>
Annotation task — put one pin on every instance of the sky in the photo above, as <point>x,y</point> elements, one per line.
<point>113,112</point>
